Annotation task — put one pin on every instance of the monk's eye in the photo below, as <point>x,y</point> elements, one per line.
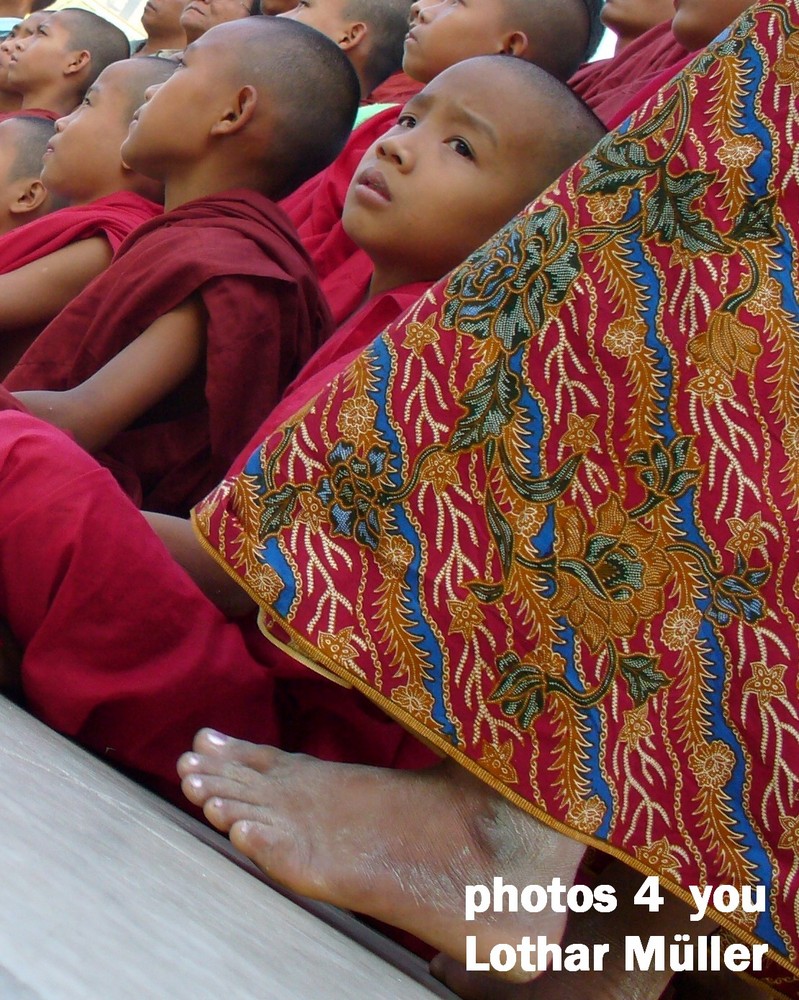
<point>461,147</point>
<point>406,120</point>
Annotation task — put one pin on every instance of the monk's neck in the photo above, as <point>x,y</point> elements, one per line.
<point>50,99</point>
<point>163,43</point>
<point>9,101</point>
<point>204,183</point>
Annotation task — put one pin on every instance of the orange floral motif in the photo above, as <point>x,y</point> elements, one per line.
<point>415,700</point>
<point>587,815</point>
<point>712,385</point>
<point>418,336</point>
<point>746,535</point>
<point>529,520</point>
<point>265,582</point>
<point>740,151</point>
<point>713,764</point>
<point>766,682</point>
<point>394,554</point>
<point>766,299</point>
<point>609,208</point>
<point>728,346</point>
<point>611,581</point>
<point>498,760</point>
<point>441,470</point>
<point>466,616</point>
<point>580,436</point>
<point>658,855</point>
<point>338,646</point>
<point>790,439</point>
<point>357,416</point>
<point>636,726</point>
<point>680,627</point>
<point>625,337</point>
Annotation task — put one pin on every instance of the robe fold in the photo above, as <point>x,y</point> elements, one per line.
<point>115,216</point>
<point>266,315</point>
<point>550,518</point>
<point>122,651</point>
<point>607,85</point>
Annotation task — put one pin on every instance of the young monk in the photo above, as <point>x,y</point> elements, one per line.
<point>586,518</point>
<point>555,36</point>
<point>12,13</point>
<point>372,33</point>
<point>10,99</point>
<point>177,660</point>
<point>46,263</point>
<point>616,89</point>
<point>629,19</point>
<point>54,67</point>
<point>23,197</point>
<point>168,369</point>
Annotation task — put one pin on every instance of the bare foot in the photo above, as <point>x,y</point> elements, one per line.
<point>400,846</point>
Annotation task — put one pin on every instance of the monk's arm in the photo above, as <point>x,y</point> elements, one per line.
<point>35,293</point>
<point>140,376</point>
<point>218,586</point>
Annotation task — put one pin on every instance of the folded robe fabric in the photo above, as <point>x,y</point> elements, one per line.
<point>122,650</point>
<point>114,217</point>
<point>607,85</point>
<point>550,520</point>
<point>266,315</point>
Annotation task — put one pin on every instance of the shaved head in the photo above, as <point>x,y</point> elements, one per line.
<point>387,21</point>
<point>102,40</point>
<point>561,128</point>
<point>312,90</point>
<point>30,138</point>
<point>141,73</point>
<point>562,34</point>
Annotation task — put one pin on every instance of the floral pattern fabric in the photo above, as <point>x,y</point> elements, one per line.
<point>550,518</point>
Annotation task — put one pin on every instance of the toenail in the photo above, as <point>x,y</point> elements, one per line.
<point>216,738</point>
<point>195,781</point>
<point>191,759</point>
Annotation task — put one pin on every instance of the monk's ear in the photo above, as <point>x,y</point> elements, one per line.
<point>78,60</point>
<point>515,44</point>
<point>29,197</point>
<point>354,34</point>
<point>239,112</point>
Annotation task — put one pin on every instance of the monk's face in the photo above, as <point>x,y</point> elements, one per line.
<point>173,128</point>
<point>454,169</point>
<point>444,32</point>
<point>162,16</point>
<point>630,18</point>
<point>697,22</point>
<point>83,158</point>
<point>45,53</point>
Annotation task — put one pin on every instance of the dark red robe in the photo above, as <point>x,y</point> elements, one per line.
<point>115,216</point>
<point>266,315</point>
<point>607,85</point>
<point>122,651</point>
<point>396,89</point>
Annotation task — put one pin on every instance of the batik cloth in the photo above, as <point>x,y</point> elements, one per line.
<point>549,520</point>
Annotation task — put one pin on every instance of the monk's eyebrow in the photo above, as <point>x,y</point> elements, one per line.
<point>465,117</point>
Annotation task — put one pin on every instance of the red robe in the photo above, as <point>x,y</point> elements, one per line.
<point>266,315</point>
<point>396,89</point>
<point>122,651</point>
<point>607,85</point>
<point>114,217</point>
<point>51,116</point>
<point>315,209</point>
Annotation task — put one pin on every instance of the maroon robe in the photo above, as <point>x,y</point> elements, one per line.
<point>266,315</point>
<point>114,217</point>
<point>607,85</point>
